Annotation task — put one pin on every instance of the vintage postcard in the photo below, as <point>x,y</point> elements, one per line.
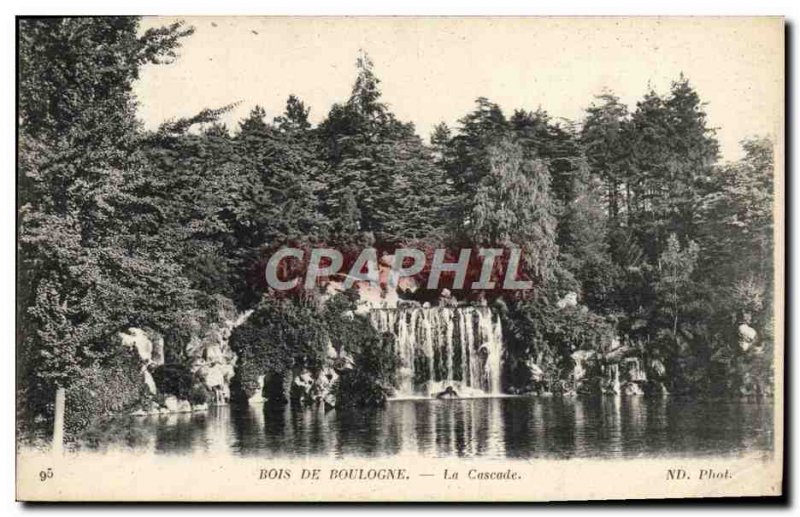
<point>399,258</point>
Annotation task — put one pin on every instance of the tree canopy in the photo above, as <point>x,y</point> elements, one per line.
<point>628,207</point>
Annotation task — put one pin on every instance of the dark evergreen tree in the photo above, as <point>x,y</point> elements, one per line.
<point>605,138</point>
<point>398,187</point>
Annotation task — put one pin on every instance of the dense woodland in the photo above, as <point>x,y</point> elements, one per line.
<point>120,227</point>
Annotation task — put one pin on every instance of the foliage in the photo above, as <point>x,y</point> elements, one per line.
<point>381,164</point>
<point>121,227</point>
<point>103,389</point>
<point>199,394</point>
<point>512,208</point>
<point>279,335</point>
<point>174,379</point>
<point>94,257</point>
<point>538,331</point>
<point>372,377</point>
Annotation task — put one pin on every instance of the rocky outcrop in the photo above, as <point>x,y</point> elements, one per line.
<point>619,371</point>
<point>149,348</point>
<point>211,361</point>
<point>569,300</point>
<point>322,391</point>
<point>747,337</point>
<point>307,387</point>
<point>137,339</point>
<point>211,358</point>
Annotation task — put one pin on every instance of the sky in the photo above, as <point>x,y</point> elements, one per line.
<point>433,69</point>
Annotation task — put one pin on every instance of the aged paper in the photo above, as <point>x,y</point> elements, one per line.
<point>400,258</point>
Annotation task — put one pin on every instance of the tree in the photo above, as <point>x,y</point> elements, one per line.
<point>91,254</point>
<point>675,267</point>
<point>468,155</point>
<point>673,154</point>
<point>281,168</point>
<point>583,239</point>
<point>512,207</point>
<point>605,136</point>
<point>295,117</point>
<point>737,219</point>
<point>555,143</point>
<point>398,187</point>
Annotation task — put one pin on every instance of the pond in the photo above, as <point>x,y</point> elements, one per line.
<point>490,428</point>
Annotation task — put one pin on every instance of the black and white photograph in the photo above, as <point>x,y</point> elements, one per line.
<point>369,258</point>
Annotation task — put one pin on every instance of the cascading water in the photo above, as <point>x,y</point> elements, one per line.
<point>439,347</point>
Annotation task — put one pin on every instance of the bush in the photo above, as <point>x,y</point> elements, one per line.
<point>102,390</point>
<point>199,395</point>
<point>539,330</point>
<point>285,334</point>
<point>174,379</point>
<point>373,377</point>
<point>279,335</point>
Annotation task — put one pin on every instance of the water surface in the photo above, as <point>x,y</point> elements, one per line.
<point>512,427</point>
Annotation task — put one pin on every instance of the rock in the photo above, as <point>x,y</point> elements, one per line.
<point>139,412</point>
<point>228,371</point>
<point>184,406</point>
<point>569,300</point>
<point>171,403</point>
<point>631,388</point>
<point>581,360</point>
<point>149,381</point>
<point>258,396</point>
<point>214,377</point>
<point>747,336</point>
<point>137,339</point>
<point>657,368</point>
<point>610,384</point>
<point>208,349</point>
<point>536,372</point>
<point>200,407</point>
<point>157,356</point>
<point>331,354</point>
<point>329,402</point>
<point>195,347</point>
<point>617,351</point>
<point>632,369</point>
<point>301,387</point>
<point>225,394</point>
<point>213,353</point>
<point>447,393</point>
<point>321,390</point>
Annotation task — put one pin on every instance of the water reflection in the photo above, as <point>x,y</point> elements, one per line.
<point>521,427</point>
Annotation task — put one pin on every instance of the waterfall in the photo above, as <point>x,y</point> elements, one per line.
<point>444,346</point>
